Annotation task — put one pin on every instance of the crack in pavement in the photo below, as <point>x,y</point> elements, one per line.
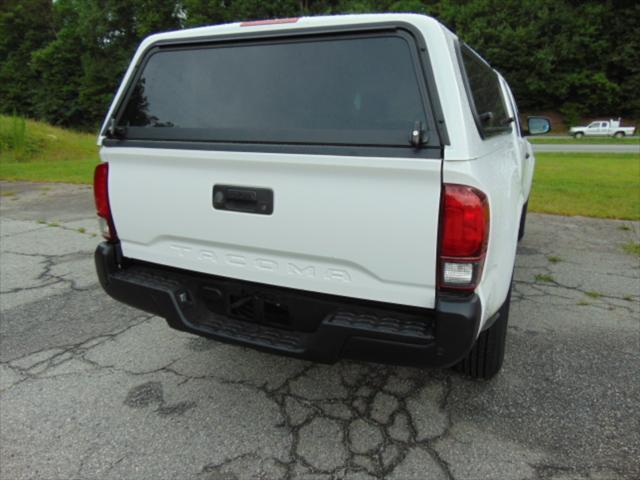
<point>369,381</point>
<point>553,289</point>
<point>23,232</point>
<point>48,263</point>
<point>372,378</point>
<point>62,354</point>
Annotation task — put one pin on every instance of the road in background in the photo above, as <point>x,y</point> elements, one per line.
<point>92,389</point>
<point>586,148</point>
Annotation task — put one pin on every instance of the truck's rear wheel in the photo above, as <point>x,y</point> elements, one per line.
<point>578,135</point>
<point>486,357</point>
<point>619,134</point>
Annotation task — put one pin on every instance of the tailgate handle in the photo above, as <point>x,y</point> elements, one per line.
<point>243,199</point>
<point>242,195</point>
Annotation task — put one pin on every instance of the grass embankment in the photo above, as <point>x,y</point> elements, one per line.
<point>36,151</point>
<point>589,184</point>
<point>586,140</point>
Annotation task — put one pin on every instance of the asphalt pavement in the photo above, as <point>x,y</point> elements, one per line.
<point>92,389</point>
<point>586,148</point>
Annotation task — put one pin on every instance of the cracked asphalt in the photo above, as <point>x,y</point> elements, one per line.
<point>91,389</point>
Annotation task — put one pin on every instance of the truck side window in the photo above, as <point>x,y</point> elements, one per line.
<point>483,87</point>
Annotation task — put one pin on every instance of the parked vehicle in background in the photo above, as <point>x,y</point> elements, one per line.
<point>603,128</point>
<point>324,187</point>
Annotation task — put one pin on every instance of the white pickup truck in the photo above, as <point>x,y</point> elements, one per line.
<point>603,128</point>
<point>326,187</point>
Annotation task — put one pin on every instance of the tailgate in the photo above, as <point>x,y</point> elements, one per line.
<point>358,227</point>
<point>354,162</point>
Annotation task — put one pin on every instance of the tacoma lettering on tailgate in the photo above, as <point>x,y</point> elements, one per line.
<point>263,264</point>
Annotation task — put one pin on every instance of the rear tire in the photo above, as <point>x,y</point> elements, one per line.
<point>619,134</point>
<point>578,135</point>
<point>487,355</point>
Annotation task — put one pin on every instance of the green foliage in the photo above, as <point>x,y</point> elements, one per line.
<point>14,142</point>
<point>409,6</point>
<point>62,61</point>
<point>13,134</point>
<point>29,141</point>
<point>555,53</point>
<point>572,113</point>
<point>632,248</point>
<point>543,277</point>
<point>25,26</point>
<point>59,68</point>
<point>45,153</point>
<point>78,68</point>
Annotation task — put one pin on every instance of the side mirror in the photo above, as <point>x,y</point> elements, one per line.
<point>538,125</point>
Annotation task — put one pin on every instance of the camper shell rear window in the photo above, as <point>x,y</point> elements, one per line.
<point>346,89</point>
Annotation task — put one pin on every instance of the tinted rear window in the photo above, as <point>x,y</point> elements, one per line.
<point>342,91</point>
<point>486,94</point>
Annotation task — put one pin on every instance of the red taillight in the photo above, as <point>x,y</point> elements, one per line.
<point>464,231</point>
<point>101,196</point>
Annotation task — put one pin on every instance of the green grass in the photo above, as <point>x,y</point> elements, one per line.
<point>554,259</point>
<point>39,152</point>
<point>632,248</point>
<point>69,171</point>
<point>588,184</point>
<point>543,277</point>
<point>587,140</point>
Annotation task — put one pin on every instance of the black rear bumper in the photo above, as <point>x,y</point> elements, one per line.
<point>292,322</point>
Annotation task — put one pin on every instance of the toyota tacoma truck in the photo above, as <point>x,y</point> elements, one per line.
<point>603,128</point>
<point>325,188</point>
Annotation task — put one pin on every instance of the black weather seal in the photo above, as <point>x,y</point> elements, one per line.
<point>432,153</point>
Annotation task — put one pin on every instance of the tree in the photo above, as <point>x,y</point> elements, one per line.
<point>572,56</point>
<point>623,66</point>
<point>25,26</point>
<point>81,68</point>
<point>62,60</point>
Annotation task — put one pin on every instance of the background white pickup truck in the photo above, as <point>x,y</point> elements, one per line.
<point>327,187</point>
<point>603,128</point>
